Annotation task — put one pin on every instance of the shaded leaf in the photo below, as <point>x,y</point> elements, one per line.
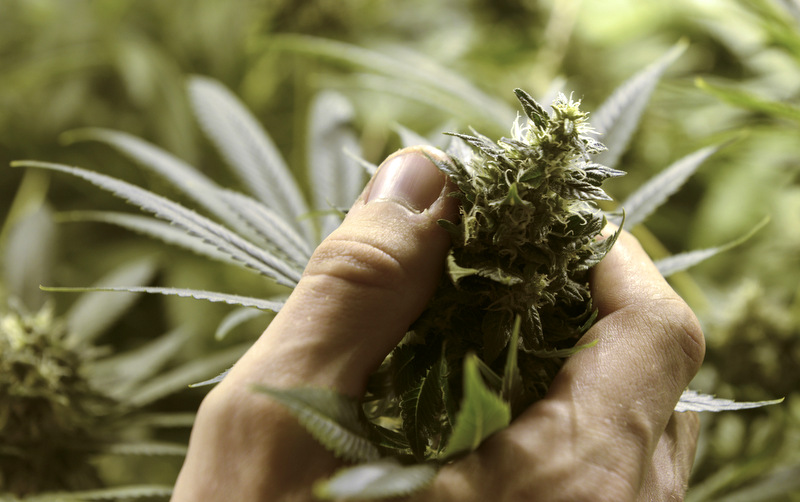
<point>234,320</point>
<point>482,413</point>
<point>244,301</point>
<point>683,261</point>
<point>748,101</point>
<point>115,493</point>
<point>419,406</point>
<point>332,418</point>
<point>338,180</point>
<point>384,478</point>
<point>94,311</point>
<point>119,374</point>
<point>694,401</point>
<point>618,117</point>
<point>653,193</point>
<point>147,449</point>
<point>179,378</point>
<point>562,353</point>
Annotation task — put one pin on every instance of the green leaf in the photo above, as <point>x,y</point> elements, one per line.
<point>338,181</point>
<point>748,101</point>
<point>272,230</point>
<point>411,74</point>
<point>562,353</point>
<point>384,478</point>
<point>119,374</point>
<point>618,117</point>
<point>419,408</point>
<point>224,239</point>
<point>482,413</point>
<point>115,493</point>
<point>181,377</point>
<point>248,149</point>
<point>181,175</point>
<point>211,296</point>
<point>211,381</point>
<point>332,418</point>
<point>28,255</point>
<point>234,320</point>
<point>653,193</point>
<point>683,261</point>
<point>148,449</point>
<point>94,312</point>
<point>410,138</point>
<point>532,109</point>
<point>152,227</point>
<point>694,401</point>
<point>512,380</point>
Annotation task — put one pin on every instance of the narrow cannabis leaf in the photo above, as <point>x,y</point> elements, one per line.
<point>384,478</point>
<point>679,262</point>
<point>694,401</point>
<point>618,117</point>
<point>333,419</point>
<point>653,193</point>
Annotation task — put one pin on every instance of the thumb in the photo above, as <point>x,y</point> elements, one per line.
<point>364,285</point>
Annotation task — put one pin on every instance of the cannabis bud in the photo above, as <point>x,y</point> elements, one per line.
<point>51,419</point>
<point>527,236</point>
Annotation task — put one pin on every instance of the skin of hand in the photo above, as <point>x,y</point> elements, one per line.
<point>605,432</point>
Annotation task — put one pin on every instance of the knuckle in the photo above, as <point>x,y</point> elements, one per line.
<point>683,329</point>
<point>357,262</point>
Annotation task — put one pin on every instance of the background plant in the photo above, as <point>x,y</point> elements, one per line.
<point>103,79</point>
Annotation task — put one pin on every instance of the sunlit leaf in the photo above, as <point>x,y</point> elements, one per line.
<point>201,189</point>
<point>152,227</point>
<point>694,401</point>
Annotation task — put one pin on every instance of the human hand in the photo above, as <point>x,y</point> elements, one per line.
<point>605,431</point>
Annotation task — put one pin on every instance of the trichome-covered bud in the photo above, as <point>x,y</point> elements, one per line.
<point>529,231</point>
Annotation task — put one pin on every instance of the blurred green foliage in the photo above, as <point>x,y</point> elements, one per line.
<point>122,64</point>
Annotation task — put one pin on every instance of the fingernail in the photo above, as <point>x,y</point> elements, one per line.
<point>410,179</point>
